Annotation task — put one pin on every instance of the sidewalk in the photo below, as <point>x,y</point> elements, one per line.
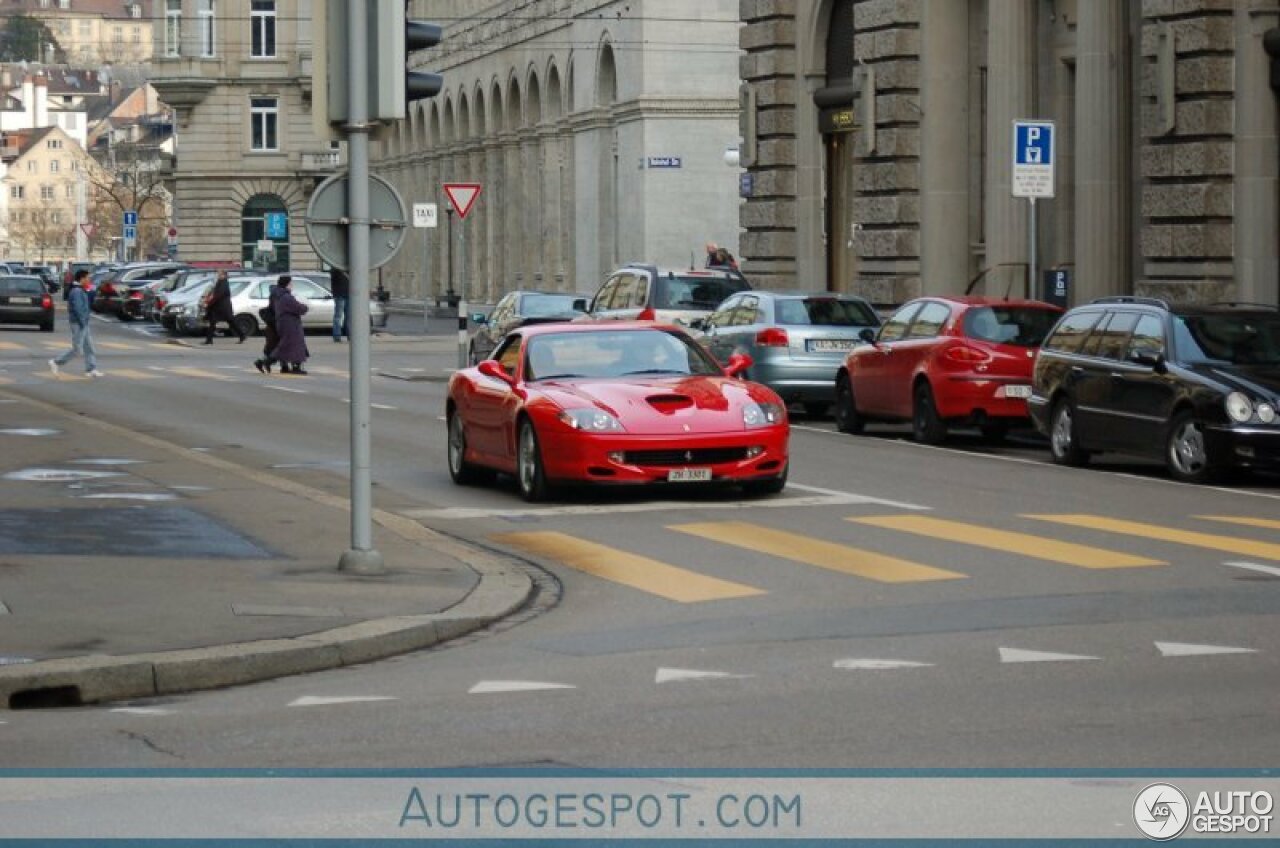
<point>132,567</point>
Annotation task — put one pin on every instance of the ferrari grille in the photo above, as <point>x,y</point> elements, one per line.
<point>704,456</point>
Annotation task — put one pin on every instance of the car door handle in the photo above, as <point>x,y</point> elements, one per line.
<point>1076,370</point>
<point>1116,375</point>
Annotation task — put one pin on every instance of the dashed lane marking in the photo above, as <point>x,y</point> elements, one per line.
<point>682,675</point>
<point>1243,520</point>
<point>491,687</point>
<point>284,389</point>
<point>325,700</point>
<point>638,572</point>
<point>12,346</point>
<point>1018,655</point>
<point>828,555</point>
<point>1183,649</point>
<point>133,374</point>
<point>878,665</point>
<point>185,371</point>
<point>116,345</point>
<point>1251,566</point>
<point>1025,544</point>
<point>1230,544</point>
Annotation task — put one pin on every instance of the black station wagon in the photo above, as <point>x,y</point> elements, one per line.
<point>1198,386</point>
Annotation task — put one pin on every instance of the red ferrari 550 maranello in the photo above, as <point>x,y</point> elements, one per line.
<point>613,403</point>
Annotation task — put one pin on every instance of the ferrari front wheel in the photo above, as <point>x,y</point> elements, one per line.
<point>530,473</point>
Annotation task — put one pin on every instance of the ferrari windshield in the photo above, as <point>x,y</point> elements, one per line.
<point>1238,338</point>
<point>613,354</point>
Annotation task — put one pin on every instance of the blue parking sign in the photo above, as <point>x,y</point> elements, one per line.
<point>1033,159</point>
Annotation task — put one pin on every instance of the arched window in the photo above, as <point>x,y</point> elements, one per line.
<point>265,219</point>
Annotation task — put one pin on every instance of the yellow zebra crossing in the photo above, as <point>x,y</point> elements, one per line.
<point>689,586</point>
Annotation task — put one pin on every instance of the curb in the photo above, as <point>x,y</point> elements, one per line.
<point>73,681</point>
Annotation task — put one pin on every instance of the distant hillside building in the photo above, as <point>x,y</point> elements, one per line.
<point>92,32</point>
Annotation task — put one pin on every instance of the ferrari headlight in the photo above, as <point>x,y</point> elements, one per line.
<point>1266,413</point>
<point>1239,407</point>
<point>763,415</point>
<point>591,421</point>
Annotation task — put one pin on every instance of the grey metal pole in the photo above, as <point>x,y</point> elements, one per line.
<point>361,558</point>
<point>426,279</point>
<point>1033,285</point>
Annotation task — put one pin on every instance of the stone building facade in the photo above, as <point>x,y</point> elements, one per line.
<point>598,131</point>
<point>238,75</point>
<point>884,132</point>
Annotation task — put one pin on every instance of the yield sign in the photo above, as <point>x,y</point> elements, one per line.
<point>88,230</point>
<point>462,196</point>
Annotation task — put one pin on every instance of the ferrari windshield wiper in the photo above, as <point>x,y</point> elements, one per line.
<point>652,371</point>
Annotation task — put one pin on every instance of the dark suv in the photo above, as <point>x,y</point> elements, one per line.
<point>1198,386</point>
<point>647,293</point>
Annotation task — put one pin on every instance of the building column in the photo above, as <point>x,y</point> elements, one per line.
<point>944,153</point>
<point>568,218</point>
<point>1102,152</point>
<point>513,202</point>
<point>1009,76</point>
<point>494,233</point>
<point>530,158</point>
<point>1257,219</point>
<point>549,169</point>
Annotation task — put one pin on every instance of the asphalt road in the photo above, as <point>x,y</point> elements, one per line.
<point>969,605</point>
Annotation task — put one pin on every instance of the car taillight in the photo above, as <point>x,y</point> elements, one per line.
<point>106,289</point>
<point>136,294</point>
<point>647,314</point>
<point>966,355</point>
<point>772,337</point>
<point>161,303</point>
<point>46,302</point>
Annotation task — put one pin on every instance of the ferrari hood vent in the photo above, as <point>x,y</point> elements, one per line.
<point>669,403</point>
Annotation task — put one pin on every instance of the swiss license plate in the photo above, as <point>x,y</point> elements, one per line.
<point>1017,391</point>
<point>831,344</point>
<point>688,475</point>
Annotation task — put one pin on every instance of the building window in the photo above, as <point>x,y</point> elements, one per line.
<point>172,27</point>
<point>117,34</point>
<point>262,22</point>
<point>135,35</point>
<point>46,192</point>
<point>135,11</point>
<point>208,28</point>
<point>53,166</point>
<point>264,123</point>
<point>71,192</point>
<point>75,165</point>
<point>55,217</point>
<point>86,29</point>
<point>31,166</point>
<point>17,192</point>
<point>54,144</point>
<point>17,217</point>
<point>253,229</point>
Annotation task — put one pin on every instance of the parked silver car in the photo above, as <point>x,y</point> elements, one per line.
<point>796,341</point>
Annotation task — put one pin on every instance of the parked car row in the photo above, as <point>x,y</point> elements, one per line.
<point>25,299</point>
<point>1198,387</point>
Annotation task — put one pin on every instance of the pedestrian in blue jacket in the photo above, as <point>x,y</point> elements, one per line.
<point>81,338</point>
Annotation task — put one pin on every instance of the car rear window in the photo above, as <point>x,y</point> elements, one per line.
<point>695,292</point>
<point>1021,326</point>
<point>1241,339</point>
<point>546,305</point>
<point>21,286</point>
<point>825,312</point>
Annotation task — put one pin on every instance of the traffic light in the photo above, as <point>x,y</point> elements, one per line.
<point>391,37</point>
<point>1271,44</point>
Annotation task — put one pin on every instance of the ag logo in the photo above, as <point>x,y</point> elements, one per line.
<point>1161,811</point>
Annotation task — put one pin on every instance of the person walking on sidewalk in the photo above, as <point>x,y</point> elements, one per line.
<point>218,309</point>
<point>291,350</point>
<point>268,316</point>
<point>81,337</point>
<point>341,302</point>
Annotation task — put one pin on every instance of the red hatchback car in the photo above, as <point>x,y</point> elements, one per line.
<point>619,403</point>
<point>941,361</point>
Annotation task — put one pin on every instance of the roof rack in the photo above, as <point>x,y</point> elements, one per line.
<point>1241,304</point>
<point>1126,298</point>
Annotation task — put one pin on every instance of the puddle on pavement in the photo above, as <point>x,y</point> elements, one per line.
<point>58,475</point>
<point>29,431</point>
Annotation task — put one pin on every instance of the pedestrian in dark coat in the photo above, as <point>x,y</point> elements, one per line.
<point>218,309</point>
<point>291,350</point>
<point>272,338</point>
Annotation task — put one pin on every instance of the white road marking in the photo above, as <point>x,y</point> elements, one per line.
<point>383,406</point>
<point>489,687</point>
<point>1182,649</point>
<point>680,675</point>
<point>143,711</point>
<point>326,700</point>
<point>1017,655</point>
<point>835,493</point>
<point>878,665</point>
<point>1264,569</point>
<point>457,513</point>
<point>284,389</point>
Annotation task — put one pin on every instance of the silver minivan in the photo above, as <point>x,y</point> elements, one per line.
<point>647,293</point>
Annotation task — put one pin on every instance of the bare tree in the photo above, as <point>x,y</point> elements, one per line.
<point>128,176</point>
<point>43,228</point>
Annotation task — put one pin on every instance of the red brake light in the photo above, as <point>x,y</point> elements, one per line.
<point>107,289</point>
<point>46,302</point>
<point>966,355</point>
<point>647,314</point>
<point>136,294</point>
<point>772,337</point>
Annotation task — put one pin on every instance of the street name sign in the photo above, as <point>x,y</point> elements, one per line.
<point>665,162</point>
<point>1033,150</point>
<point>462,196</point>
